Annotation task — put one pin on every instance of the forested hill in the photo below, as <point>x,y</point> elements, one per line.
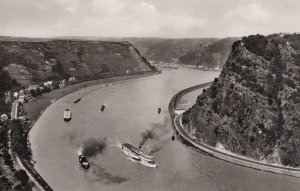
<point>35,60</point>
<point>253,108</point>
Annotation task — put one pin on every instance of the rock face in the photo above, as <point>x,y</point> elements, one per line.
<point>253,108</point>
<point>35,61</point>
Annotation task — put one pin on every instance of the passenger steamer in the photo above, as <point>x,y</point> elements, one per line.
<point>138,155</point>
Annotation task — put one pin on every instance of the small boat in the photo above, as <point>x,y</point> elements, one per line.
<point>102,108</point>
<point>78,100</point>
<point>173,137</point>
<point>84,162</point>
<point>139,155</point>
<point>159,110</point>
<point>67,115</point>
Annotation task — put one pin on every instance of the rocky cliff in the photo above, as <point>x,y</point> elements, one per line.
<point>33,60</point>
<point>253,108</point>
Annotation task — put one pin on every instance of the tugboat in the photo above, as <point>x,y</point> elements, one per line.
<point>138,155</point>
<point>67,115</point>
<point>78,100</point>
<point>102,108</point>
<point>159,110</point>
<point>84,162</point>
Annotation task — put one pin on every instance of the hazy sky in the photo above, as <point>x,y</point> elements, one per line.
<point>148,18</point>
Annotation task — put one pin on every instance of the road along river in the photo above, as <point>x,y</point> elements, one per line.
<point>131,116</point>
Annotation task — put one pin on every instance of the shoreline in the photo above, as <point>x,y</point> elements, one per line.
<point>36,107</point>
<point>212,151</point>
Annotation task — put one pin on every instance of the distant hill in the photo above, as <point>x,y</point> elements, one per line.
<point>253,108</point>
<point>212,55</point>
<point>35,60</point>
<point>209,52</point>
<point>168,50</point>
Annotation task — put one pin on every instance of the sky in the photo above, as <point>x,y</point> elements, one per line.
<point>148,18</point>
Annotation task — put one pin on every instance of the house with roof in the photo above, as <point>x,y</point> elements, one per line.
<point>32,87</point>
<point>72,79</point>
<point>3,117</point>
<point>48,84</point>
<point>22,98</point>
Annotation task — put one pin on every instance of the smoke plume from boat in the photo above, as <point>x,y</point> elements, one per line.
<point>159,132</point>
<point>92,147</point>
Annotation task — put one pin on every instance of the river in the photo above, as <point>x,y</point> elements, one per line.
<point>131,111</point>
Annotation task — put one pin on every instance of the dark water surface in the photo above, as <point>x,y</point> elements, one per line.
<point>131,110</point>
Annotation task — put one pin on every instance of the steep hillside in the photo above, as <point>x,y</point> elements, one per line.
<point>35,61</point>
<point>253,108</point>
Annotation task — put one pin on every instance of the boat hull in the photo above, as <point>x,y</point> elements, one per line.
<point>67,119</point>
<point>130,153</point>
<point>138,155</point>
<point>84,162</point>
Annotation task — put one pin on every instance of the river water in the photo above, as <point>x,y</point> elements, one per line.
<point>131,111</point>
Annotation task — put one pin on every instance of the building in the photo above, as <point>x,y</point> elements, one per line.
<point>72,79</point>
<point>23,118</point>
<point>16,94</point>
<point>33,87</point>
<point>48,84</point>
<point>22,98</point>
<point>62,83</point>
<point>4,117</point>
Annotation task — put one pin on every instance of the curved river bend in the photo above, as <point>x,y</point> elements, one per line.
<point>132,111</point>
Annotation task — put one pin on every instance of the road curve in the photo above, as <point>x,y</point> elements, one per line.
<point>236,159</point>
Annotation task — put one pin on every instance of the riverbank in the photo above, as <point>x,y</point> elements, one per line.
<point>211,151</point>
<point>38,104</point>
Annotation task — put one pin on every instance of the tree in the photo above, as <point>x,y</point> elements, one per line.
<point>46,89</point>
<point>33,93</point>
<point>22,176</point>
<point>55,85</point>
<point>7,158</point>
<point>38,91</point>
<point>19,139</point>
<point>6,82</point>
<point>59,69</point>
